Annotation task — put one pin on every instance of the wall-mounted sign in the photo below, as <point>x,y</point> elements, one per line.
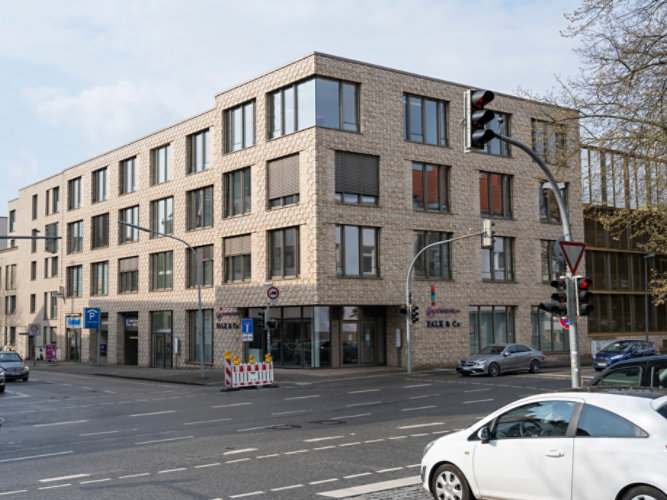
<point>73,321</point>
<point>441,323</point>
<point>432,311</point>
<point>131,322</point>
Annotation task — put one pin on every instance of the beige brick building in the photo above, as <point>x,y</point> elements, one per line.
<point>322,178</point>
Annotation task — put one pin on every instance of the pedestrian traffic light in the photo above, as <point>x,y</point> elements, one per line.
<point>557,306</point>
<point>487,237</point>
<point>476,118</point>
<point>584,295</point>
<point>414,313</point>
<point>271,324</point>
<point>403,309</point>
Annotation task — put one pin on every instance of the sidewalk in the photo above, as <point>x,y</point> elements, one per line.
<point>212,376</point>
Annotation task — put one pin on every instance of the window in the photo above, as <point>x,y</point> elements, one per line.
<point>74,194</point>
<point>424,120</point>
<point>547,333</point>
<point>128,275</point>
<point>54,306</point>
<point>161,271</point>
<point>357,251</point>
<point>99,185</point>
<point>162,216</point>
<point>237,192</point>
<point>207,334</point>
<point>501,125</point>
<point>33,270</point>
<point>434,263</point>
<point>535,420</point>
<point>198,152</point>
<point>319,101</point>
<point>357,178</point>
<point>597,422</point>
<point>75,237</point>
<point>205,256</point>
<point>33,302</point>
<point>283,181</point>
<point>495,195</point>
<point>160,167</point>
<point>240,127</point>
<point>35,205</point>
<point>200,208</point>
<point>33,241</point>
<point>10,277</point>
<point>50,267</point>
<point>51,245</point>
<point>430,187</point>
<point>53,200</point>
<point>549,212</point>
<point>498,262</point>
<point>127,234</point>
<point>284,252</point>
<point>552,267</point>
<point>10,304</point>
<point>237,258</point>
<point>490,325</point>
<point>127,179</point>
<point>624,376</point>
<point>74,281</point>
<point>100,231</point>
<point>12,221</point>
<point>549,141</point>
<point>99,278</point>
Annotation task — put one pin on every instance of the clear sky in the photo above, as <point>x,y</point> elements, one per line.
<point>81,77</point>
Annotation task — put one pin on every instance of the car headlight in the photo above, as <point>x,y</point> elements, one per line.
<point>481,362</point>
<point>428,447</point>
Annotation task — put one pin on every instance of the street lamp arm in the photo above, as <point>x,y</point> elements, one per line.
<point>200,318</point>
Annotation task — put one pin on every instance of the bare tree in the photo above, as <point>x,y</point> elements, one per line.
<point>620,95</point>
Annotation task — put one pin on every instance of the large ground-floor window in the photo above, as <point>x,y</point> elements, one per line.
<point>207,332</point>
<point>546,332</point>
<point>490,325</point>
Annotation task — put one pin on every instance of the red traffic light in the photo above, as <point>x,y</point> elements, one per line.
<point>584,283</point>
<point>481,98</point>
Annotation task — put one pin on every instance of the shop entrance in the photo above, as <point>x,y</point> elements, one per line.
<point>73,344</point>
<point>359,343</point>
<point>131,339</point>
<point>162,350</point>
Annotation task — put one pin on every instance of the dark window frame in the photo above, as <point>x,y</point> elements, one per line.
<point>441,119</point>
<point>506,182</point>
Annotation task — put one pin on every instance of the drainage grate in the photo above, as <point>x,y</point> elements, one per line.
<point>283,427</point>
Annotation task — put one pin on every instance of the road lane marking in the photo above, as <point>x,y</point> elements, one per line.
<point>62,478</point>
<point>12,492</point>
<point>366,390</point>
<point>98,433</point>
<point>289,412</point>
<point>55,486</point>
<point>252,493</point>
<point>477,401</point>
<point>61,423</point>
<point>478,390</point>
<point>207,465</point>
<point>208,421</point>
<point>135,475</point>
<point>295,452</point>
<point>323,448</point>
<point>353,476</point>
<point>96,481</point>
<point>237,460</point>
<point>333,479</point>
<point>415,386</point>
<point>431,424</point>
<point>373,441</point>
<point>370,403</point>
<point>37,456</point>
<point>231,405</point>
<point>371,488</point>
<point>152,413</point>
<point>354,416</point>
<point>420,408</point>
<point>270,456</point>
<point>164,440</point>
<point>293,486</point>
<point>302,397</point>
<point>244,450</point>
<point>315,440</point>
<point>253,428</point>
<point>393,469</point>
<point>172,470</point>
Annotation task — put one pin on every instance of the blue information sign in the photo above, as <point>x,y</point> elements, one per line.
<point>247,330</point>
<point>91,317</point>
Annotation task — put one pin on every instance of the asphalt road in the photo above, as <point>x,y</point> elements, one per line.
<point>75,436</point>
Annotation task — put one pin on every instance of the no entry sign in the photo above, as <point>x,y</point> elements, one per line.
<point>272,293</point>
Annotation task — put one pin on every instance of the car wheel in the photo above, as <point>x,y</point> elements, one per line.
<point>494,369</point>
<point>2,389</point>
<point>644,493</point>
<point>534,366</point>
<point>25,379</point>
<point>449,483</point>
<point>465,374</point>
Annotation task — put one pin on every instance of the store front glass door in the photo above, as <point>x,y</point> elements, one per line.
<point>162,350</point>
<point>349,332</point>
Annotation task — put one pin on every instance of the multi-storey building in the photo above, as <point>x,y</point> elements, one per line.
<point>322,178</point>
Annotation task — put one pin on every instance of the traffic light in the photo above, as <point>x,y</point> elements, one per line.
<point>403,309</point>
<point>271,324</point>
<point>584,295</point>
<point>487,237</point>
<point>557,306</point>
<point>260,321</point>
<point>414,313</point>
<point>476,118</point>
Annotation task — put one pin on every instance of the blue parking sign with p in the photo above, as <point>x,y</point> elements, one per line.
<point>91,317</point>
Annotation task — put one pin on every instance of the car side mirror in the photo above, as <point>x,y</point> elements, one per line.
<point>483,434</point>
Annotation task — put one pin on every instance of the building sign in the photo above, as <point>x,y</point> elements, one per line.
<point>131,322</point>
<point>431,322</point>
<point>51,350</point>
<point>226,320</point>
<point>74,321</point>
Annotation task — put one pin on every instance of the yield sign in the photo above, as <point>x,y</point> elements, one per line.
<point>573,253</point>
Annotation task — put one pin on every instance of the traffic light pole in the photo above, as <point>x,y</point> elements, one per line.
<point>567,234</point>
<point>408,293</point>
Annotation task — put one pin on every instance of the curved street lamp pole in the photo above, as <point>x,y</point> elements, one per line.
<point>200,320</point>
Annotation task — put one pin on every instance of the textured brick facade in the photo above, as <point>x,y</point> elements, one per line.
<point>316,215</point>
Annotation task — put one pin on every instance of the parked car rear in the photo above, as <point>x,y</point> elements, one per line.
<point>638,372</point>
<point>620,350</point>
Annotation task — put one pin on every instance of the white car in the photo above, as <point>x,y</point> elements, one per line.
<point>580,444</point>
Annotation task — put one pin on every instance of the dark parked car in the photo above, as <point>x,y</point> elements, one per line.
<point>13,366</point>
<point>2,380</point>
<point>640,372</point>
<point>623,349</point>
<point>497,358</point>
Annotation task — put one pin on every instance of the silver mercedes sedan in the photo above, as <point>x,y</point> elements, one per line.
<point>501,358</point>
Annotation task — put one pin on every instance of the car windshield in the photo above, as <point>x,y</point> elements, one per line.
<point>616,347</point>
<point>492,349</point>
<point>9,356</point>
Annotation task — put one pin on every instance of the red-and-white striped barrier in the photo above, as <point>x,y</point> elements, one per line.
<point>247,374</point>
